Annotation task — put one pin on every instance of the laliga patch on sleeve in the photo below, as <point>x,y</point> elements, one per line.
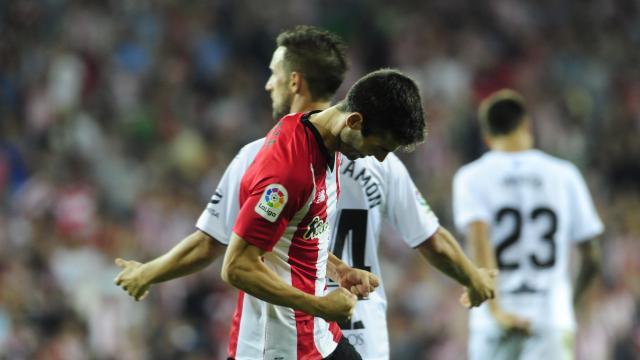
<point>272,201</point>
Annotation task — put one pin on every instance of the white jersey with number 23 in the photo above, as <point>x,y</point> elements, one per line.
<point>537,206</point>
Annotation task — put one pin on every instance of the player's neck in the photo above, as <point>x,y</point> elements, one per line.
<point>328,123</point>
<point>518,141</point>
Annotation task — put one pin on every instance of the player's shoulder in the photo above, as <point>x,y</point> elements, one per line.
<point>250,149</point>
<point>282,147</point>
<point>472,169</point>
<point>288,131</point>
<point>290,122</point>
<point>554,165</point>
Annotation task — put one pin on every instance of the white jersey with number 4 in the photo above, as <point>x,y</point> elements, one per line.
<point>537,206</point>
<point>371,191</point>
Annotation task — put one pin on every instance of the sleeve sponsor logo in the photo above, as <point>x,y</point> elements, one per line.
<point>272,202</point>
<point>215,199</point>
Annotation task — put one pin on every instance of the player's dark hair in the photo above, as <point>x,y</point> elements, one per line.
<point>389,102</point>
<point>502,112</point>
<point>318,55</point>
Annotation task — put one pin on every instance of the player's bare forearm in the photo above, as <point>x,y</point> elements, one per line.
<point>192,254</point>
<point>244,268</point>
<point>482,253</point>
<point>443,252</point>
<point>335,267</point>
<point>589,268</point>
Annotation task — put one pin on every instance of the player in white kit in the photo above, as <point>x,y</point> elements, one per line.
<point>522,210</point>
<point>371,192</point>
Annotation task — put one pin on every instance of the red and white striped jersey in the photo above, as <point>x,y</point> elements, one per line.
<point>286,197</point>
<point>372,193</point>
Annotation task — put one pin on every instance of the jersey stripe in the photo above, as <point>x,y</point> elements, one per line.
<point>335,330</point>
<point>280,335</point>
<point>305,346</point>
<point>235,326</point>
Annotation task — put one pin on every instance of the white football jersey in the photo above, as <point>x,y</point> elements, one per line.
<point>537,206</point>
<point>371,191</point>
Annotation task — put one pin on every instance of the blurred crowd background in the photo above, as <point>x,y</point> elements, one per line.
<point>117,118</point>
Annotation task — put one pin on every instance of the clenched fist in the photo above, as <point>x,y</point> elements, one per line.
<point>359,282</point>
<point>131,278</point>
<point>482,288</point>
<point>338,305</point>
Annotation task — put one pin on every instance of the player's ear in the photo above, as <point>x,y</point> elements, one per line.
<point>295,82</point>
<point>354,121</point>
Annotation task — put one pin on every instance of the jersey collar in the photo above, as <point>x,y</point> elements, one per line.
<point>316,135</point>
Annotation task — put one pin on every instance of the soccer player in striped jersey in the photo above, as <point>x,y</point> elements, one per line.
<point>523,211</point>
<point>372,192</point>
<point>279,245</point>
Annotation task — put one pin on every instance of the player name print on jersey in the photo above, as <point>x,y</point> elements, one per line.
<point>273,200</point>
<point>368,183</point>
<point>514,180</point>
<point>272,136</point>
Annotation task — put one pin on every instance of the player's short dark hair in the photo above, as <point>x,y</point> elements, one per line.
<point>502,112</point>
<point>318,55</point>
<point>390,103</point>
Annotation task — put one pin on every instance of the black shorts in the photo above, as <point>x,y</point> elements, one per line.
<point>344,351</point>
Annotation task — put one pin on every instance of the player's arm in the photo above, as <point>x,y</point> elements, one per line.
<point>589,268</point>
<point>190,255</point>
<point>359,282</point>
<point>585,224</point>
<point>478,237</point>
<point>411,215</point>
<point>244,268</point>
<point>443,252</point>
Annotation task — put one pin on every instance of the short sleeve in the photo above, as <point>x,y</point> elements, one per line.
<point>276,186</point>
<point>221,212</point>
<point>467,202</point>
<point>585,222</point>
<point>406,208</point>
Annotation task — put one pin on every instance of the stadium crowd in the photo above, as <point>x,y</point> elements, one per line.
<point>118,117</point>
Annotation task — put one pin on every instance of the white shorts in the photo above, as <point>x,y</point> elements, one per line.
<point>548,344</point>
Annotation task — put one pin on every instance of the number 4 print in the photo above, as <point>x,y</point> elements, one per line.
<point>352,222</point>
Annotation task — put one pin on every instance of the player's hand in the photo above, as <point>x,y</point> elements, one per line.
<point>512,323</point>
<point>131,279</point>
<point>482,288</point>
<point>360,282</point>
<point>337,305</point>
